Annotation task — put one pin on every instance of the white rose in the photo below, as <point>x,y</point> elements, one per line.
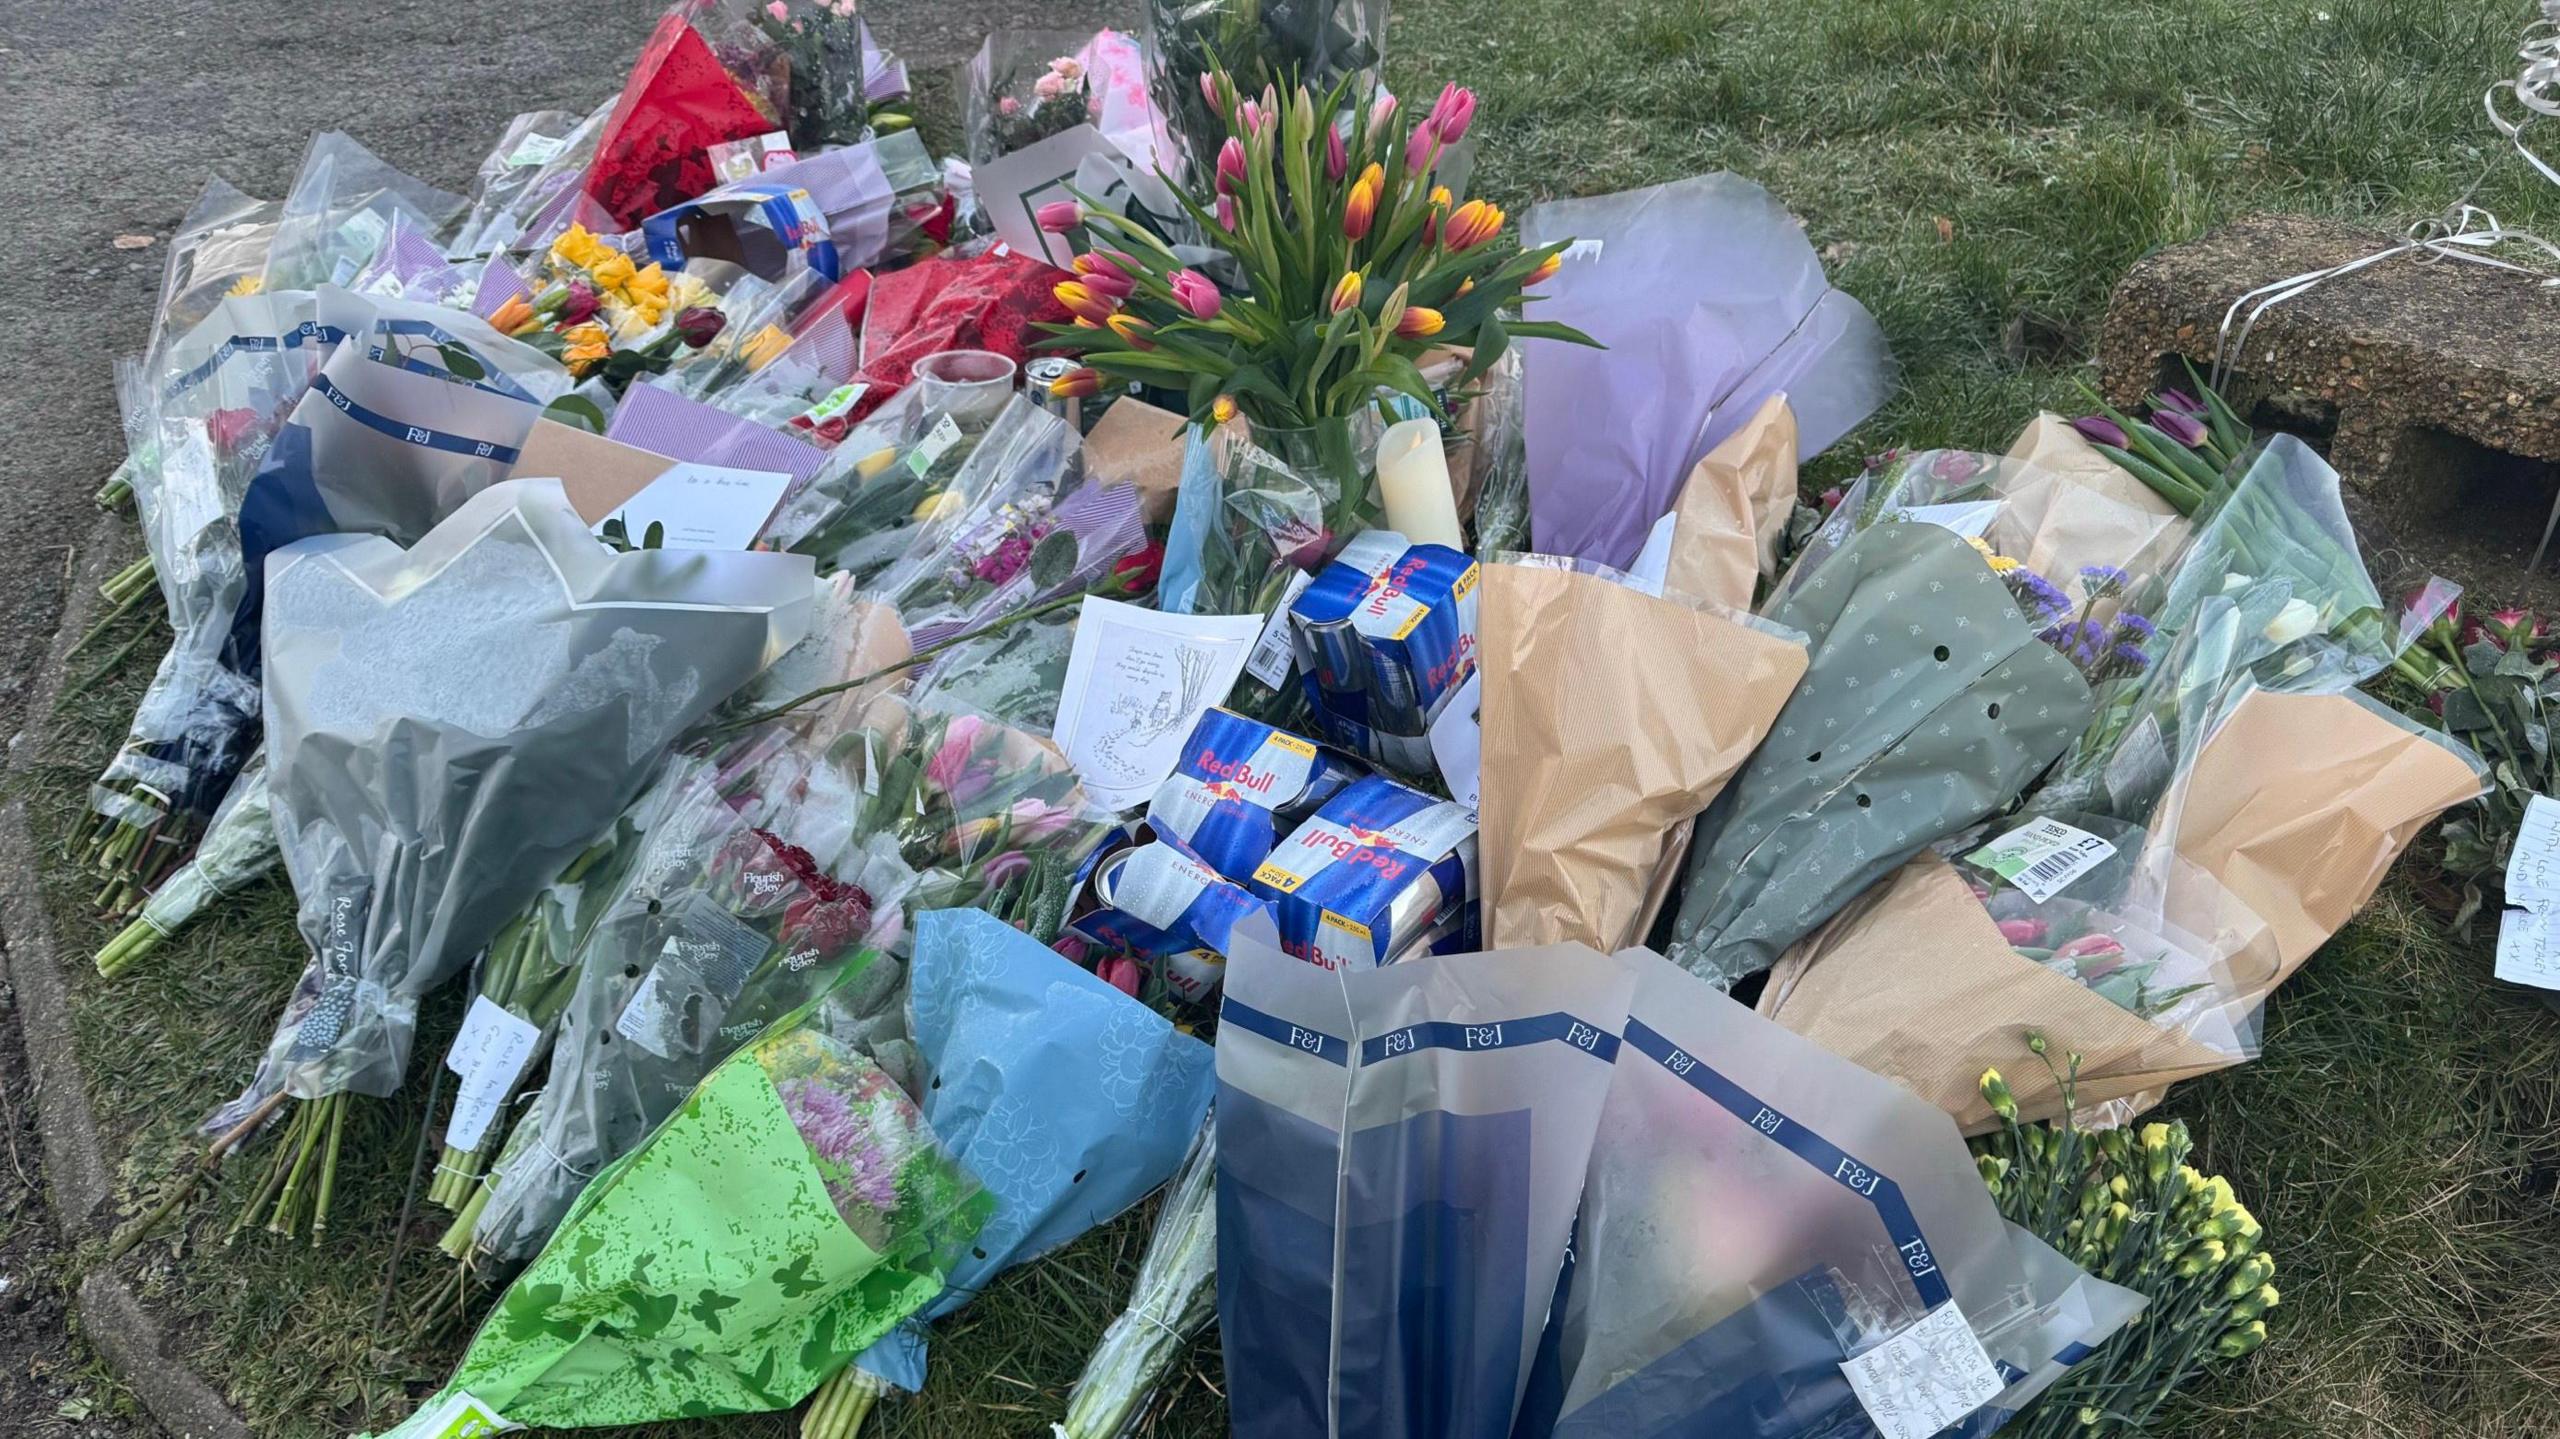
<point>2296,619</point>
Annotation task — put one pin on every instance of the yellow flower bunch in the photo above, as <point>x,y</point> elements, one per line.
<point>2000,564</point>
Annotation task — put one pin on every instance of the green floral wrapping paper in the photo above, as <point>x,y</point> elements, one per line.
<point>794,1210</point>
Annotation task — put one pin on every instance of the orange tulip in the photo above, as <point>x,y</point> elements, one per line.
<point>1360,208</point>
<point>512,316</point>
<point>1346,293</point>
<point>1419,322</point>
<point>1546,269</point>
<point>1076,384</point>
<point>1222,409</point>
<point>1475,223</point>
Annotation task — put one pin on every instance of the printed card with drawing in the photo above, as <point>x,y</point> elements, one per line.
<point>1137,681</point>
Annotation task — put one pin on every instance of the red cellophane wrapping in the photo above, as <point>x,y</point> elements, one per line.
<point>681,99</point>
<point>995,301</point>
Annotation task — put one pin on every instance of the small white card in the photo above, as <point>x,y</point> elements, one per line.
<point>1275,653</point>
<point>1137,681</point>
<point>702,507</point>
<point>2528,948</point>
<point>1457,742</point>
<point>1922,1380</point>
<point>1653,562</point>
<point>1012,188</point>
<point>459,1416</point>
<point>489,1054</point>
<point>2043,856</point>
<point>536,150</point>
<point>2533,866</point>
<point>1969,519</point>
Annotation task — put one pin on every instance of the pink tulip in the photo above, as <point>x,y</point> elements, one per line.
<point>1035,820</point>
<point>1195,293</point>
<point>1249,117</point>
<point>1071,947</point>
<point>1209,89</point>
<point>1106,262</point>
<point>1337,159</point>
<point>950,769</point>
<point>1104,282</point>
<point>1452,113</point>
<point>1419,149</point>
<point>1058,216</point>
<point>1231,165</point>
<point>1381,110</point>
<point>2028,932</point>
<point>1226,212</point>
<point>1004,867</point>
<point>1121,973</point>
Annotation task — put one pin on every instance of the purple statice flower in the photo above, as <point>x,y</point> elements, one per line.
<point>2083,642</point>
<point>2130,657</point>
<point>2098,580</point>
<point>2038,597</point>
<point>2134,629</point>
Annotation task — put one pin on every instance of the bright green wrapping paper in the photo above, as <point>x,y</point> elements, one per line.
<point>710,1271</point>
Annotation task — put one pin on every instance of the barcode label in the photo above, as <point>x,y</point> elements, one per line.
<point>2043,856</point>
<point>1274,655</point>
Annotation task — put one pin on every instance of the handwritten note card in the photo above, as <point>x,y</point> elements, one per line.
<point>702,507</point>
<point>2529,931</point>
<point>1137,681</point>
<point>1925,1378</point>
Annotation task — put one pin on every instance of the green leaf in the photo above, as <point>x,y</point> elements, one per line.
<point>1551,330</point>
<point>463,364</point>
<point>1492,338</point>
<point>1053,560</point>
<point>576,410</point>
<point>654,537</point>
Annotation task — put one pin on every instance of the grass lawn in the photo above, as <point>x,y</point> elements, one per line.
<point>1966,165</point>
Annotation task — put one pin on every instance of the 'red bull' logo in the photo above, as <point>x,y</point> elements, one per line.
<point>1454,667</point>
<point>1356,846</point>
<point>1389,585</point>
<point>1231,778</point>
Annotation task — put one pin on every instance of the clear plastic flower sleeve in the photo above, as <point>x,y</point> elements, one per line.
<point>449,724</point>
<point>1400,1154</point>
<point>1759,1213</point>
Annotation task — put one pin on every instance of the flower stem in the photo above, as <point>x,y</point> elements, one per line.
<point>910,662</point>
<point>212,1159</point>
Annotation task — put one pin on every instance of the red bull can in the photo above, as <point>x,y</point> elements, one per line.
<point>1239,786</point>
<point>1380,871</point>
<point>1165,906</point>
<point>1385,634</point>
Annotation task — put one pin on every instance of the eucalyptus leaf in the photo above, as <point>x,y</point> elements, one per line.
<point>1053,560</point>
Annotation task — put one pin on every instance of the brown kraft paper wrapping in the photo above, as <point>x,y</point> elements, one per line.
<point>1610,718</point>
<point>2080,509</point>
<point>1914,982</point>
<point>1134,443</point>
<point>1734,509</point>
<point>2299,803</point>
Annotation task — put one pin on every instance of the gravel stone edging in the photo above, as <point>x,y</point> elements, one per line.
<point>79,1179</point>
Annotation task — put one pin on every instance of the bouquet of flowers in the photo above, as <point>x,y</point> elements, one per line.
<point>600,314</point>
<point>239,848</point>
<point>1175,1297</point>
<point>1357,261</point>
<point>1317,43</point>
<point>2491,682</point>
<point>1938,688</point>
<point>1023,87</point>
<point>2128,1208</point>
<point>1069,1099</point>
<point>747,899</point>
<point>448,727</point>
<point>707,74</point>
<point>794,1207</point>
<point>820,50</point>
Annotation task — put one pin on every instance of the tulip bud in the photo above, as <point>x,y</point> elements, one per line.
<point>2185,429</point>
<point>1085,302</point>
<point>1473,224</point>
<point>1226,212</point>
<point>1381,110</point>
<point>1546,270</point>
<point>1346,292</point>
<point>1360,207</point>
<point>2179,401</point>
<point>1419,322</point>
<point>1076,384</point>
<point>1133,330</point>
<point>1058,216</point>
<point>1456,110</point>
<point>1337,157</point>
<point>1109,285</point>
<point>1209,91</point>
<point>1249,117</point>
<point>1231,165</point>
<point>1420,147</point>
<point>1196,294</point>
<point>2102,430</point>
<point>1222,409</point>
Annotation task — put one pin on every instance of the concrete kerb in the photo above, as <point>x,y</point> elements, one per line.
<point>80,1179</point>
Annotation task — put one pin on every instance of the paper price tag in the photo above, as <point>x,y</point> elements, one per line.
<point>933,446</point>
<point>1273,653</point>
<point>1922,1380</point>
<point>489,1054</point>
<point>2042,857</point>
<point>536,150</point>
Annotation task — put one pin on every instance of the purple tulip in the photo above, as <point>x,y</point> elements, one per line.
<point>2184,428</point>
<point>1337,159</point>
<point>2102,430</point>
<point>2180,401</point>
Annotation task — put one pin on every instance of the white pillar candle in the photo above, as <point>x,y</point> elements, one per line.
<point>1413,475</point>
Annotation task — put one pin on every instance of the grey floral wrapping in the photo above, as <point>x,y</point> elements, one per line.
<point>1928,705</point>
